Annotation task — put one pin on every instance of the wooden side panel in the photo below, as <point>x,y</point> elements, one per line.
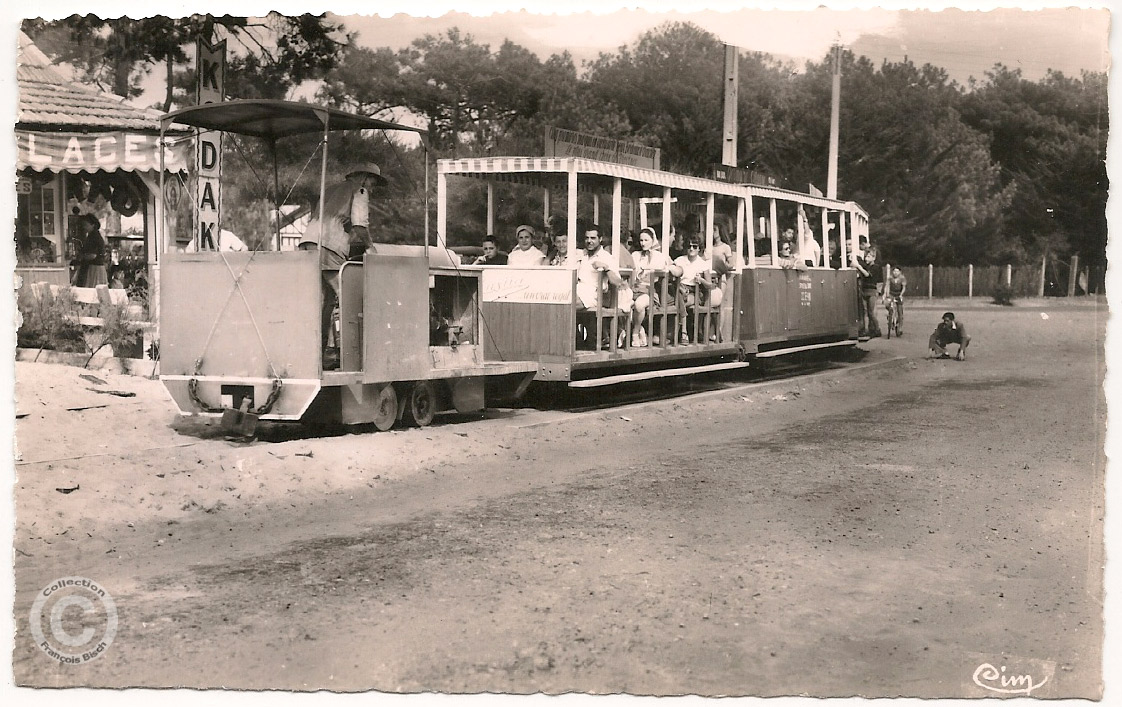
<point>528,313</point>
<point>201,314</point>
<point>519,331</point>
<point>395,327</point>
<point>778,304</point>
<point>352,285</point>
<point>772,293</point>
<point>746,302</point>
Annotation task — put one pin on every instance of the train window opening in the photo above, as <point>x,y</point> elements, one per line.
<point>453,305</point>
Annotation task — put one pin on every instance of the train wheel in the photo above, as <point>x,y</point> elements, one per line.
<point>386,406</point>
<point>422,404</point>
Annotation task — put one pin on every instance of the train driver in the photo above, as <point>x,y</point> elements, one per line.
<point>345,219</point>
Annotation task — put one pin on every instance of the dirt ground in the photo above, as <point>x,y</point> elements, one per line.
<point>881,530</point>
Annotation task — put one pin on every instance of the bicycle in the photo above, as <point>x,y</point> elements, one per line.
<point>892,304</point>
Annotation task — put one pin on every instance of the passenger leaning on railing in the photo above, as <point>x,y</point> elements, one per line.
<point>695,288</point>
<point>648,260</point>
<point>590,263</point>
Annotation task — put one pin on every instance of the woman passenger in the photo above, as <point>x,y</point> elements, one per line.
<point>647,260</point>
<point>695,278</point>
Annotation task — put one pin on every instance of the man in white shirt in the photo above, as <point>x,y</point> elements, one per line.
<point>590,263</point>
<point>525,254</point>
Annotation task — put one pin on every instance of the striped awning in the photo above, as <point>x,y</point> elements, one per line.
<point>106,151</point>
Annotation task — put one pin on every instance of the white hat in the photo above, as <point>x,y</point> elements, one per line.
<point>369,169</point>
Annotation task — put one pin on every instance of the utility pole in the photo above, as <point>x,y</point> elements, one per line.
<point>732,73</point>
<point>835,113</point>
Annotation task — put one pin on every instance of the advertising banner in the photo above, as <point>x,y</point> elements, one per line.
<point>570,143</point>
<point>78,152</point>
<point>211,64</point>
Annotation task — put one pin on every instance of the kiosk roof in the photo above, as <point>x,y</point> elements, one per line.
<point>272,119</point>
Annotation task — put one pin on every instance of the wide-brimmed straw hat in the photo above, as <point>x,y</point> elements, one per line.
<point>371,170</point>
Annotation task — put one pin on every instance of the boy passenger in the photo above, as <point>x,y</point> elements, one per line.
<point>491,254</point>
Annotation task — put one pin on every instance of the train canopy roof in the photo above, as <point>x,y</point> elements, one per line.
<point>272,119</point>
<point>597,176</point>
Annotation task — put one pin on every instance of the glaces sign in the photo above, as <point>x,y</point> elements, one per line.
<point>101,151</point>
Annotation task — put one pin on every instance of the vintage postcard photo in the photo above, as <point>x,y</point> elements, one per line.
<point>724,351</point>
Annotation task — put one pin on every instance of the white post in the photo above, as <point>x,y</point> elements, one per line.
<point>441,209</point>
<point>490,208</point>
<point>617,215</point>
<point>774,234</point>
<point>970,281</point>
<point>1043,268</point>
<point>740,235</point>
<point>930,280</point>
<point>750,222</point>
<point>1009,274</point>
<point>571,209</point>
<point>732,73</point>
<point>843,247</point>
<point>596,209</point>
<point>322,181</point>
<point>710,236</point>
<point>825,238</point>
<point>546,206</point>
<point>835,109</point>
<point>666,220</point>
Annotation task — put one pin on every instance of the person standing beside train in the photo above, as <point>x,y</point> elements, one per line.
<point>870,283</point>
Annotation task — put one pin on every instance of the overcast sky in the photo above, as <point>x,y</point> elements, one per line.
<point>965,43</point>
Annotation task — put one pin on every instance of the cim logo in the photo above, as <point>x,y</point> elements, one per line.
<point>1007,682</point>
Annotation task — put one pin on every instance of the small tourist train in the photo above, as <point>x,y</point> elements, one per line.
<point>419,330</point>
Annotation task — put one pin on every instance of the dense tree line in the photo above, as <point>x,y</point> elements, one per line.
<point>1001,170</point>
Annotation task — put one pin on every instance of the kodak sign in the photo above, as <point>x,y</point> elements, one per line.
<point>211,69</point>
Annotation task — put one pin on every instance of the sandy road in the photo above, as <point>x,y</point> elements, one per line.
<point>883,533</point>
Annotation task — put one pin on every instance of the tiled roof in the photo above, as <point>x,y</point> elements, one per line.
<point>47,98</point>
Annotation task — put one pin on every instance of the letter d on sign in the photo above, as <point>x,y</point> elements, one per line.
<point>208,155</point>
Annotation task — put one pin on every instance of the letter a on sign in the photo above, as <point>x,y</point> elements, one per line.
<point>211,68</point>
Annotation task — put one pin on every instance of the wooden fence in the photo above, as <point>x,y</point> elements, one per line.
<point>980,281</point>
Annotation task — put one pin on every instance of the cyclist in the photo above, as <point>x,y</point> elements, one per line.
<point>894,290</point>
